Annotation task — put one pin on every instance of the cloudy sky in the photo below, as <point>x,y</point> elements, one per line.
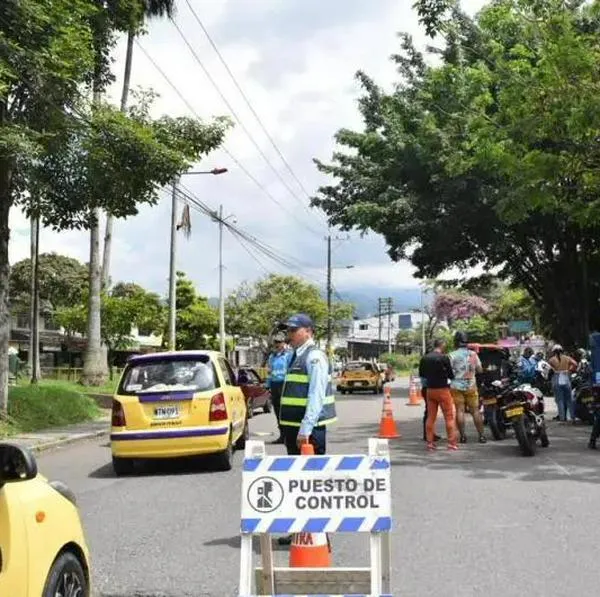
<point>295,61</point>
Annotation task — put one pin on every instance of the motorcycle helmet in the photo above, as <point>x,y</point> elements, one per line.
<point>557,348</point>
<point>582,354</point>
<point>460,339</point>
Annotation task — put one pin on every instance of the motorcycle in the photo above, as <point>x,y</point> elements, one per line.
<point>582,396</point>
<point>523,409</point>
<point>492,396</point>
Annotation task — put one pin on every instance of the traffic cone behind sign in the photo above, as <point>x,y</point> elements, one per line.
<point>387,426</point>
<point>414,395</point>
<point>310,550</point>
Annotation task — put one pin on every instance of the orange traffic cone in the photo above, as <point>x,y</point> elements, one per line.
<point>310,550</point>
<point>307,449</point>
<point>387,426</point>
<point>414,395</point>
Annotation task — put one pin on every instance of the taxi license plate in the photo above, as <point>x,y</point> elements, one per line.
<point>487,401</point>
<point>514,412</point>
<point>166,412</point>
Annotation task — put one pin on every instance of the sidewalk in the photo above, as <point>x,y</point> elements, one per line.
<point>55,437</point>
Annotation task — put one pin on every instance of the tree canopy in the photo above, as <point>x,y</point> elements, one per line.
<point>62,281</point>
<point>253,309</point>
<point>488,155</point>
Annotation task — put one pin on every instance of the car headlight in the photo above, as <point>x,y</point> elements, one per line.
<point>61,488</point>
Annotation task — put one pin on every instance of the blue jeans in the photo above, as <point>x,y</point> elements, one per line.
<point>564,401</point>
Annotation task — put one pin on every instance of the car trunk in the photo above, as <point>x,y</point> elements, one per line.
<point>167,409</point>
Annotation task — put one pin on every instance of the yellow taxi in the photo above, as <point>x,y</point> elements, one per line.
<point>43,552</point>
<point>360,376</point>
<point>171,404</point>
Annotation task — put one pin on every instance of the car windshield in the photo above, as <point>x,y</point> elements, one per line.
<point>359,367</point>
<point>180,375</point>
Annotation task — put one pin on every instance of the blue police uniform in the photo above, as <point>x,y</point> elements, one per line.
<point>277,364</point>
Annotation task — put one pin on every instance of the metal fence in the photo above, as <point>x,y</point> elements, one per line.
<point>70,373</point>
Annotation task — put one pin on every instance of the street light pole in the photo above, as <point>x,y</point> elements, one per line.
<point>221,297</point>
<point>329,291</point>
<point>173,254</point>
<point>172,281</point>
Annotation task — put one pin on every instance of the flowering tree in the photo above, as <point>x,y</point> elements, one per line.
<point>455,306</point>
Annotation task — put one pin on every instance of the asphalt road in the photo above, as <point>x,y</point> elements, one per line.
<point>481,521</point>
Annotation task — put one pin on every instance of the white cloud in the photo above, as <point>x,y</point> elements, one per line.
<point>296,62</point>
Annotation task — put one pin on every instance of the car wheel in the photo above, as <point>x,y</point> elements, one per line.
<point>267,407</point>
<point>66,578</point>
<point>225,458</point>
<point>122,466</point>
<point>240,444</point>
<point>343,392</point>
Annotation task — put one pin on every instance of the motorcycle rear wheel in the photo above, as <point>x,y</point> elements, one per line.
<point>526,440</point>
<point>496,427</point>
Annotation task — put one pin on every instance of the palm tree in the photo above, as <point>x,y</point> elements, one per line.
<point>148,9</point>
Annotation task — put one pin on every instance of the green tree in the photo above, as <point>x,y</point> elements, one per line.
<point>197,322</point>
<point>121,312</point>
<point>489,156</point>
<point>127,158</point>
<point>253,309</point>
<point>45,55</point>
<point>62,281</point>
<point>142,10</point>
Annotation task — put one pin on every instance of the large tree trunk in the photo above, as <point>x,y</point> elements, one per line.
<point>34,328</point>
<point>4,281</point>
<point>108,233</point>
<point>95,370</point>
<point>5,203</point>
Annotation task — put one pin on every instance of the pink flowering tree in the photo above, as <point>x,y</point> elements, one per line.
<point>454,306</point>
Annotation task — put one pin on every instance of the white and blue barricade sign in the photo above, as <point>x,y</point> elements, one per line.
<point>317,494</point>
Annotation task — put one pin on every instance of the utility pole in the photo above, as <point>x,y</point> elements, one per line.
<point>221,297</point>
<point>172,273</point>
<point>329,291</point>
<point>385,307</point>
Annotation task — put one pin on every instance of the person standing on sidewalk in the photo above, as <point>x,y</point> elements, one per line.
<point>465,364</point>
<point>277,366</point>
<point>307,400</point>
<point>436,370</point>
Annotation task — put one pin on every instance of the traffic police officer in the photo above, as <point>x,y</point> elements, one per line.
<point>277,365</point>
<point>308,401</point>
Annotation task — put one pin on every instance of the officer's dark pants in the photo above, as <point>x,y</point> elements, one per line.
<point>276,389</point>
<point>596,428</point>
<point>318,439</point>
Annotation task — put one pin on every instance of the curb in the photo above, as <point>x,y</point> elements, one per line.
<point>43,447</point>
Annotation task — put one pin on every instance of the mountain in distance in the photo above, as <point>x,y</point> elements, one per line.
<point>365,299</point>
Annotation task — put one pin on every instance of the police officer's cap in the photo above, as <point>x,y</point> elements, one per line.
<point>300,320</point>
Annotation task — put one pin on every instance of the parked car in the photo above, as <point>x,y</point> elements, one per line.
<point>172,404</point>
<point>43,552</point>
<point>254,389</point>
<point>360,376</point>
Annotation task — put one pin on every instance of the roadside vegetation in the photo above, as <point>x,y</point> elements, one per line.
<point>35,407</point>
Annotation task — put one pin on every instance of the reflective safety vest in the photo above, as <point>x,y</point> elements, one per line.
<point>294,398</point>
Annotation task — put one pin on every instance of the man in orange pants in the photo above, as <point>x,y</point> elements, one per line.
<point>437,371</point>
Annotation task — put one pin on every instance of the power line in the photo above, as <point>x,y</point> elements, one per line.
<point>243,235</point>
<point>238,119</point>
<point>246,100</point>
<point>223,148</point>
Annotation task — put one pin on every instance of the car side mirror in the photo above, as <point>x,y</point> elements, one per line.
<point>16,464</point>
